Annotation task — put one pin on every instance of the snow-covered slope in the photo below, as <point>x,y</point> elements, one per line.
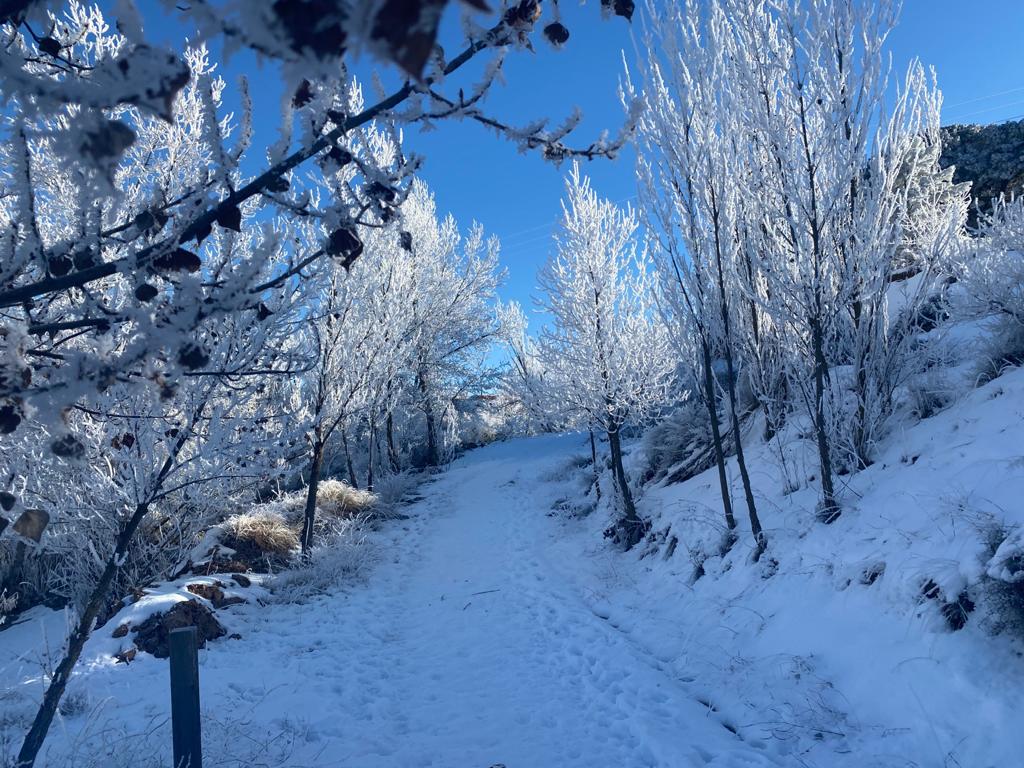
<point>496,629</point>
<point>840,647</point>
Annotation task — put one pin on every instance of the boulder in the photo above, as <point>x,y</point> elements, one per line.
<point>151,635</point>
<point>214,593</point>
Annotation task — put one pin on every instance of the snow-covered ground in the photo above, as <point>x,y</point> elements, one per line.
<point>466,647</point>
<point>835,646</point>
<point>495,629</point>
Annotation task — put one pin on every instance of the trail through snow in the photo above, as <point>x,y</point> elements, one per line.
<point>464,648</point>
<point>488,657</point>
<point>467,649</point>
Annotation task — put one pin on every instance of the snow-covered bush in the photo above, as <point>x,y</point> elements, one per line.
<point>1004,582</point>
<point>340,558</point>
<point>679,445</point>
<point>334,498</point>
<point>1000,350</point>
<point>339,499</point>
<point>391,490</point>
<point>991,275</point>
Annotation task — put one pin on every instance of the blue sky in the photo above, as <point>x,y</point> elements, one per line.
<point>975,47</point>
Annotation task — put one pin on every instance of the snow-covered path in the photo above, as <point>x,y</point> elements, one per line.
<point>480,654</point>
<point>468,646</point>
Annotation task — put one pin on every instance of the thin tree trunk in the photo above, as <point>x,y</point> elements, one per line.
<point>51,699</point>
<point>829,508</point>
<point>723,309</point>
<point>632,525</point>
<point>860,432</point>
<point>392,451</point>
<point>428,411</point>
<point>432,455</point>
<point>716,440</point>
<point>352,479</point>
<point>593,463</point>
<point>369,460</point>
<point>760,540</point>
<point>309,515</point>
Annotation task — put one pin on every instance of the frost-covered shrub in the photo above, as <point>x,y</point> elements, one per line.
<point>1004,578</point>
<point>339,499</point>
<point>8,602</point>
<point>928,394</point>
<point>682,438</point>
<point>341,558</point>
<point>391,490</point>
<point>334,498</point>
<point>68,562</point>
<point>992,271</point>
<point>992,276</point>
<point>568,469</point>
<point>1001,350</point>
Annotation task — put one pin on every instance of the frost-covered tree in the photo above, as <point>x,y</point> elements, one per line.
<point>606,357</point>
<point>455,282</point>
<point>695,210</point>
<point>161,460</point>
<point>816,186</point>
<point>831,156</point>
<point>523,380</point>
<point>119,162</point>
<point>361,332</point>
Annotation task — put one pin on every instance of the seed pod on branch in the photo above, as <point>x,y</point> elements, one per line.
<point>178,260</point>
<point>192,356</point>
<point>146,293</point>
<point>230,218</point>
<point>344,245</point>
<point>556,33</point>
<point>68,447</point>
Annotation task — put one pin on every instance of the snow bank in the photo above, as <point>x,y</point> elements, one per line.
<point>885,639</point>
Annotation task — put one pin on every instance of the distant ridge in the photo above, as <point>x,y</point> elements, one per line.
<point>991,157</point>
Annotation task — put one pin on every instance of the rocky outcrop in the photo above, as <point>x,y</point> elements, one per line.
<point>991,157</point>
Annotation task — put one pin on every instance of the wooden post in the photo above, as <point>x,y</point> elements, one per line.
<point>186,726</point>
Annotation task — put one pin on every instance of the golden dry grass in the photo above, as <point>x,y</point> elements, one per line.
<point>266,531</point>
<point>339,499</point>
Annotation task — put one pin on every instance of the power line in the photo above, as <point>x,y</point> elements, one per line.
<point>509,241</point>
<point>1016,103</point>
<point>982,98</point>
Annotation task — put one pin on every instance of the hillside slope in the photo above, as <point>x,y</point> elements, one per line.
<point>893,637</point>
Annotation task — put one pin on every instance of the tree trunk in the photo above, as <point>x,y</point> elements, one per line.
<point>631,524</point>
<point>760,540</point>
<point>432,454</point>
<point>369,461</point>
<point>51,699</point>
<point>392,451</point>
<point>428,411</point>
<point>352,479</point>
<point>593,463</point>
<point>723,309</point>
<point>829,508</point>
<point>716,439</point>
<point>309,517</point>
